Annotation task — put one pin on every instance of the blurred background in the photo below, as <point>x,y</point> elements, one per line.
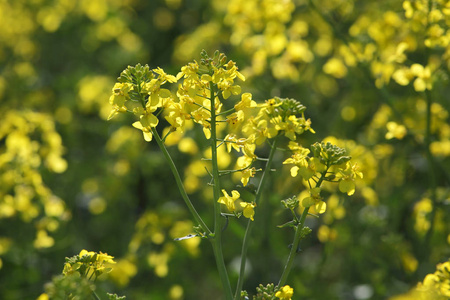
<point>372,74</point>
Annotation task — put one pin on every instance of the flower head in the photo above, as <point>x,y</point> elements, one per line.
<point>229,200</point>
<point>249,211</point>
<point>285,293</point>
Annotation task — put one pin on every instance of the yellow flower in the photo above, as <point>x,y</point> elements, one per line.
<point>246,174</point>
<point>231,142</point>
<point>335,67</point>
<point>163,77</point>
<point>260,129</point>
<point>347,178</point>
<point>105,258</point>
<point>43,296</point>
<point>229,200</point>
<point>246,102</point>
<point>85,252</point>
<point>395,131</point>
<point>285,293</point>
<point>235,118</point>
<point>249,210</point>
<point>189,71</point>
<point>119,98</point>
<point>177,115</point>
<point>147,122</point>
<point>316,200</point>
<point>299,158</point>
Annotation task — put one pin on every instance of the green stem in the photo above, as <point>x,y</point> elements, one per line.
<point>217,240</point>
<point>290,261</point>
<point>297,238</point>
<point>180,185</point>
<point>250,223</point>
<point>95,296</point>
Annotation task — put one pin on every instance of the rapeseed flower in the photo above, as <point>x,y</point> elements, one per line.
<point>285,293</point>
<point>229,200</point>
<point>315,200</point>
<point>146,123</point>
<point>347,178</point>
<point>249,209</point>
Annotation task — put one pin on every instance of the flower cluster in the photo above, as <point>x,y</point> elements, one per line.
<point>201,96</point>
<point>434,286</point>
<point>78,277</point>
<point>438,283</point>
<point>327,163</point>
<point>88,264</point>
<point>285,293</point>
<point>28,142</point>
<point>140,91</point>
<point>271,292</point>
<point>248,208</point>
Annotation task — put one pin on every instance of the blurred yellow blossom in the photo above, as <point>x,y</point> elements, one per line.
<point>395,131</point>
<point>285,293</point>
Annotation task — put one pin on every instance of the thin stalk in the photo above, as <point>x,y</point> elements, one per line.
<point>296,242</point>
<point>95,296</point>
<point>290,261</point>
<point>217,240</point>
<point>180,185</point>
<point>250,223</point>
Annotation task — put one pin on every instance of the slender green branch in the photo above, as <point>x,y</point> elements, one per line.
<point>167,134</point>
<point>199,105</point>
<point>294,248</point>
<point>297,238</point>
<point>159,112</point>
<point>179,182</point>
<point>226,112</point>
<point>95,296</point>
<point>217,241</point>
<point>250,223</point>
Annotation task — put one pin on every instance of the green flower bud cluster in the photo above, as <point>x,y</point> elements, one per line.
<point>289,107</point>
<point>329,154</point>
<point>265,292</point>
<point>290,203</point>
<point>217,61</point>
<point>136,76</point>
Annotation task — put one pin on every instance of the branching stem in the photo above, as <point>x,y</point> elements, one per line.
<point>250,223</point>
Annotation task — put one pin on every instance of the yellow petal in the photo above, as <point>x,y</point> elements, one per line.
<point>347,186</point>
<point>321,207</point>
<point>294,171</point>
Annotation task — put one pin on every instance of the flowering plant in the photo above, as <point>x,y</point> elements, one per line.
<point>203,97</point>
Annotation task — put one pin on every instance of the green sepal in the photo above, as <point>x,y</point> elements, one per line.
<point>292,224</point>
